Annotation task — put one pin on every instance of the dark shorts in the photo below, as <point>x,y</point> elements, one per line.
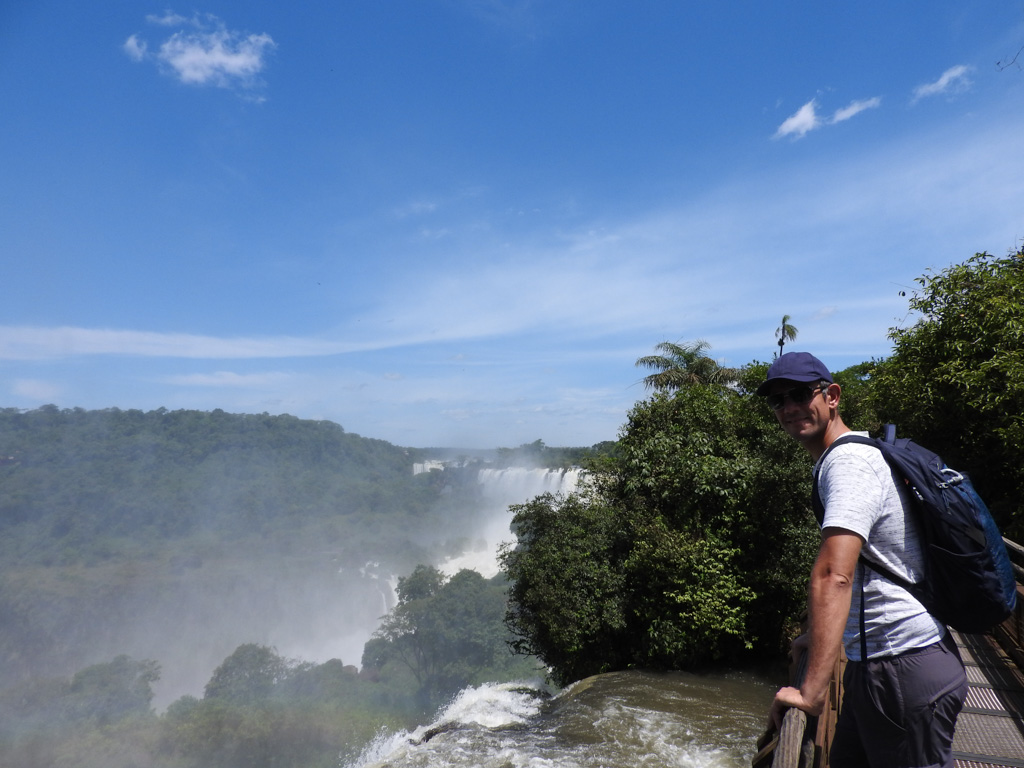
<point>900,711</point>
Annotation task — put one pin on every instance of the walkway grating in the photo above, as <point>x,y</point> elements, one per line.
<point>990,730</point>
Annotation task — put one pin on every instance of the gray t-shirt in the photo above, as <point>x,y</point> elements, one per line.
<point>860,494</point>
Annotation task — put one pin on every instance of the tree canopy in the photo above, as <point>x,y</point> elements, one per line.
<point>682,365</point>
<point>785,332</point>
<point>693,543</point>
<point>692,549</point>
<point>443,630</point>
<point>955,379</point>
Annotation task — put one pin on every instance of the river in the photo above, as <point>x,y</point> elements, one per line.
<point>617,720</point>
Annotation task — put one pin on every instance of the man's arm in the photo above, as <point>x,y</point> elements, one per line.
<point>829,606</point>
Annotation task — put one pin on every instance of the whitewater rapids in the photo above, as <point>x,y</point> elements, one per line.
<point>621,719</point>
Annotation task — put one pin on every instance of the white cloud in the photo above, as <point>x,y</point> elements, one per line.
<point>417,208</point>
<point>170,19</point>
<point>953,80</point>
<point>31,343</point>
<point>807,119</point>
<point>135,48</point>
<point>36,389</point>
<point>205,52</point>
<point>229,379</point>
<point>220,58</point>
<point>855,108</point>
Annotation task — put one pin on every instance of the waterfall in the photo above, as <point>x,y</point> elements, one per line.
<point>518,484</point>
<point>501,488</point>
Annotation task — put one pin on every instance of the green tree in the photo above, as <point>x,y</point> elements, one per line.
<point>682,365</point>
<point>857,402</point>
<point>111,691</point>
<point>955,380</point>
<point>249,674</point>
<point>313,717</point>
<point>567,597</point>
<point>96,696</point>
<point>692,547</point>
<point>785,332</point>
<point>442,630</point>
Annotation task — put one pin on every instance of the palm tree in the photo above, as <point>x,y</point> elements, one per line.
<point>785,332</point>
<point>681,365</point>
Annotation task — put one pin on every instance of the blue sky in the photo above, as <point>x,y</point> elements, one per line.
<point>461,222</point>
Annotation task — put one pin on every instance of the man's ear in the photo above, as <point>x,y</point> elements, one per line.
<point>832,394</point>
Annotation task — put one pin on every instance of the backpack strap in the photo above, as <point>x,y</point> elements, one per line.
<point>889,436</point>
<point>847,437</point>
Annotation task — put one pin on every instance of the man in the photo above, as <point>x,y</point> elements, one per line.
<point>905,682</point>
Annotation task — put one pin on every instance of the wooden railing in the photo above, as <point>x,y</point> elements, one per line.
<point>1010,633</point>
<point>805,742</point>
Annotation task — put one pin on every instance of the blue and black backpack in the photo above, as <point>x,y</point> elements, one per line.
<point>969,583</point>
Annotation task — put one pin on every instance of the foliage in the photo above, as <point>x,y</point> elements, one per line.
<point>567,594</point>
<point>138,517</point>
<point>95,696</point>
<point>682,365</point>
<point>53,720</point>
<point>856,403</point>
<point>693,549</point>
<point>248,674</point>
<point>443,630</point>
<point>785,332</point>
<point>537,454</point>
<point>79,485</point>
<point>273,712</point>
<point>260,710</point>
<point>111,691</point>
<point>955,380</point>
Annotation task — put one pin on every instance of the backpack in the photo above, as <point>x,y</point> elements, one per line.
<point>969,583</point>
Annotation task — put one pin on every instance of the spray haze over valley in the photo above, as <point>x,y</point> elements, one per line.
<point>177,536</point>
<point>194,551</point>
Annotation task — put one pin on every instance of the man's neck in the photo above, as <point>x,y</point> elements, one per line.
<point>833,431</point>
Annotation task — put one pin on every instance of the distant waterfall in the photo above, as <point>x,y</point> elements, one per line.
<point>501,488</point>
<point>516,485</point>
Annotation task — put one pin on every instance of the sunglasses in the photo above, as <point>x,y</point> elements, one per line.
<point>796,395</point>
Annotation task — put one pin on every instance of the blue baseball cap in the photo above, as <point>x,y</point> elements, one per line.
<point>796,366</point>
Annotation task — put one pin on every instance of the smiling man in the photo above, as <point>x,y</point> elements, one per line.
<point>905,682</point>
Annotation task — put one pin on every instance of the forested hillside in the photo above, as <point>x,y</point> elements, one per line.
<point>176,535</point>
<point>77,484</point>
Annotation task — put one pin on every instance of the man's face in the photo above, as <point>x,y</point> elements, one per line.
<point>805,422</point>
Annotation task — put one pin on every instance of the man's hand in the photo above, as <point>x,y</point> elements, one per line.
<point>791,697</point>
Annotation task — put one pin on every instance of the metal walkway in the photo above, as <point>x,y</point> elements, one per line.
<point>990,729</point>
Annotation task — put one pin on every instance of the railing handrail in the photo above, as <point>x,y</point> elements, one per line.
<point>1015,549</point>
<point>792,747</point>
<point>788,747</point>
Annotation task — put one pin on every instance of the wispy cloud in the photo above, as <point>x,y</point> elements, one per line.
<point>807,119</point>
<point>32,343</point>
<point>135,48</point>
<point>855,108</point>
<point>36,389</point>
<point>170,19</point>
<point>203,51</point>
<point>648,276</point>
<point>230,379</point>
<point>953,80</point>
